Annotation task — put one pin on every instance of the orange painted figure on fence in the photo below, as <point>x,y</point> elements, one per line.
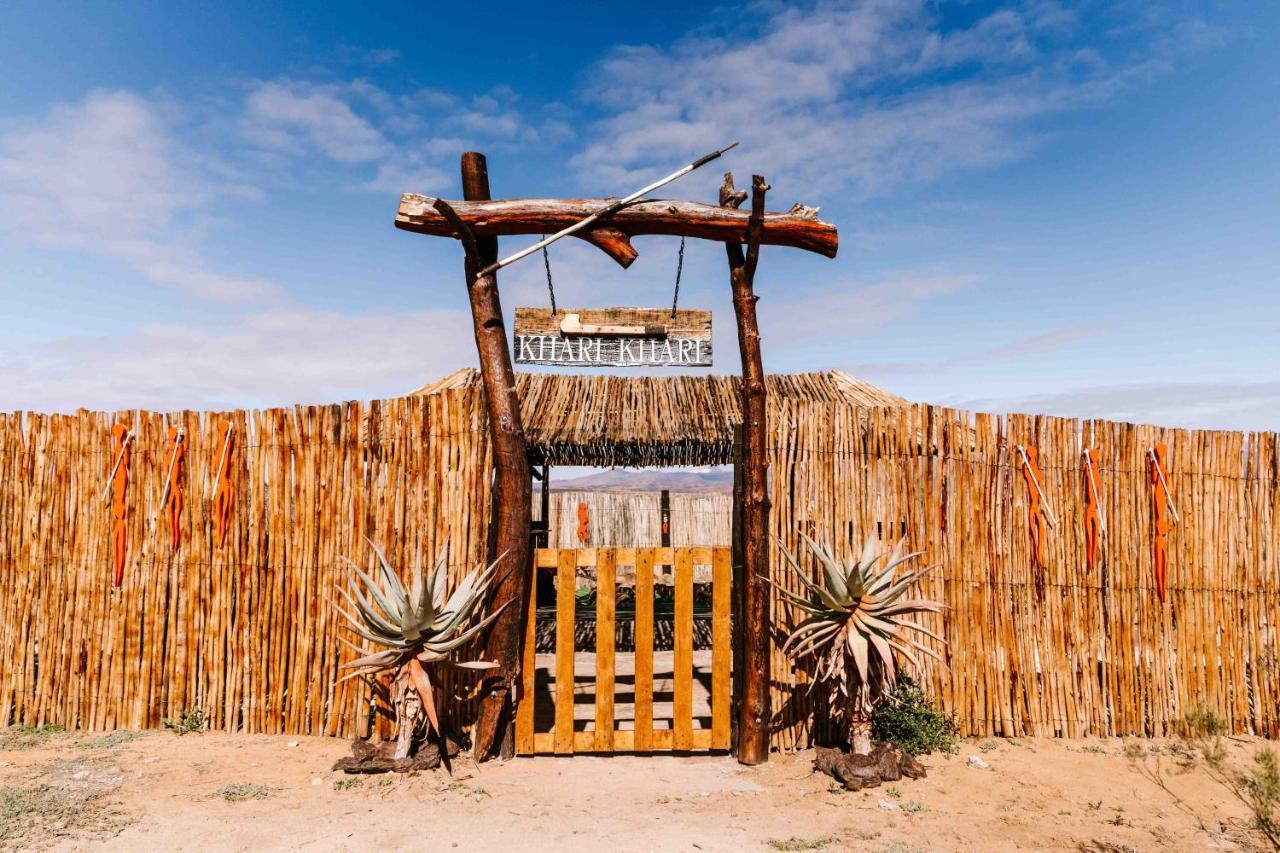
<point>1035,508</point>
<point>119,506</point>
<point>1160,525</point>
<point>222,497</point>
<point>1092,509</point>
<point>584,524</point>
<point>172,499</point>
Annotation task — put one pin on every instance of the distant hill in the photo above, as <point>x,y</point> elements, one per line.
<point>650,480</point>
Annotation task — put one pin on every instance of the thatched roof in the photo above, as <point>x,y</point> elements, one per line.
<point>574,419</point>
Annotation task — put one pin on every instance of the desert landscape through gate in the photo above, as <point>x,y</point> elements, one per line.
<point>245,630</point>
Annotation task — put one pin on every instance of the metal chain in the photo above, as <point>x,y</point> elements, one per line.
<point>546,262</point>
<point>679,268</point>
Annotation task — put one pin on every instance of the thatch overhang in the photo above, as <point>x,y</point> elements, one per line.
<point>573,419</point>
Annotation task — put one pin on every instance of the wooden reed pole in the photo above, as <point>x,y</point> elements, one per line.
<point>755,634</point>
<point>512,507</point>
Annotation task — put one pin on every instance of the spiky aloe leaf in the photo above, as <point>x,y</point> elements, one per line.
<point>854,619</point>
<point>422,683</point>
<point>461,639</point>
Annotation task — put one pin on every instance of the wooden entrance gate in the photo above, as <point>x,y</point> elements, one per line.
<point>608,733</point>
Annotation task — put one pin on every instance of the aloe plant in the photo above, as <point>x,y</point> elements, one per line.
<point>856,624</point>
<point>420,628</point>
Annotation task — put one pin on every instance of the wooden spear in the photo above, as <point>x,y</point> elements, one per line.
<point>613,207</point>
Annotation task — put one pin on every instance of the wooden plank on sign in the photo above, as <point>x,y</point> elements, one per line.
<point>566,601</point>
<point>613,337</point>
<point>721,650</point>
<point>606,579</point>
<point>682,707</point>
<point>644,650</point>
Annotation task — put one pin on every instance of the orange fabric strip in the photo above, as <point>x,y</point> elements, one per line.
<point>1035,514</point>
<point>584,524</point>
<point>119,506</point>
<point>1092,517</point>
<point>174,465</point>
<point>222,496</point>
<point>1160,525</point>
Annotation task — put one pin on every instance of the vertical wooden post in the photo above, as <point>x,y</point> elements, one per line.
<point>512,489</point>
<point>755,633</point>
<point>545,540</point>
<point>739,580</point>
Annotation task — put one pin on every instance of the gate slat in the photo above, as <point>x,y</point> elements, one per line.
<point>721,572</point>
<point>565,601</point>
<point>644,650</point>
<point>682,708</point>
<point>606,578</point>
<point>529,664</point>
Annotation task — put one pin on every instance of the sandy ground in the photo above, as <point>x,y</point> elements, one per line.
<point>204,791</point>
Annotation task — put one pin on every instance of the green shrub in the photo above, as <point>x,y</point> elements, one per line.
<point>1201,722</point>
<point>1262,794</point>
<point>910,720</point>
<point>190,720</point>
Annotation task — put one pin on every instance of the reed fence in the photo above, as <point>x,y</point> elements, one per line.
<point>1058,649</point>
<point>246,629</point>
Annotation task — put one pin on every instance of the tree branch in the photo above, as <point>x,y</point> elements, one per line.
<point>755,225</point>
<point>461,230</point>
<point>798,228</point>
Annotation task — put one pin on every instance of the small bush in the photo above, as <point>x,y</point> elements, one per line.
<point>190,720</point>
<point>910,720</point>
<point>1202,722</point>
<point>1258,788</point>
<point>1262,792</point>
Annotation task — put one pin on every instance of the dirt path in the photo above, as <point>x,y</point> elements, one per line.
<point>225,792</point>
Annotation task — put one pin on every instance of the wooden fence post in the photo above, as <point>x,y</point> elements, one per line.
<point>512,489</point>
<point>756,637</point>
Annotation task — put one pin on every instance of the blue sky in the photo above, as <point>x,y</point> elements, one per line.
<point>1064,208</point>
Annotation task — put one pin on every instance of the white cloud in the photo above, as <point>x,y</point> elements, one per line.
<point>298,117</point>
<point>1195,405</point>
<point>1022,348</point>
<point>807,96</point>
<point>107,175</point>
<point>846,307</point>
<point>410,138</point>
<point>272,357</point>
<point>410,175</point>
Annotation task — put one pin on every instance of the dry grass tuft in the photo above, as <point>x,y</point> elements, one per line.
<point>29,737</point>
<point>239,792</point>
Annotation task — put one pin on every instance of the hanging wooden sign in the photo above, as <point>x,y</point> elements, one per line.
<point>613,337</point>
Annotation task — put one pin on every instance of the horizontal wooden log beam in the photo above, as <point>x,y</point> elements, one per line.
<point>798,228</point>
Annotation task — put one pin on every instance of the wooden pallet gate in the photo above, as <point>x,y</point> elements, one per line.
<point>640,735</point>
